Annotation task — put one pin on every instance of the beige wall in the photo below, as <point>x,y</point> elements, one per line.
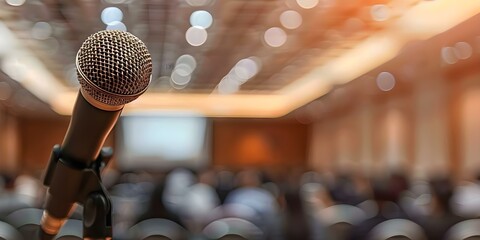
<point>432,129</point>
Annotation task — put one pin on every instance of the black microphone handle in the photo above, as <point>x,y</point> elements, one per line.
<point>89,127</point>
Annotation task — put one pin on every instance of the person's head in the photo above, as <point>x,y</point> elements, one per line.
<point>382,190</point>
<point>442,191</point>
<point>248,178</point>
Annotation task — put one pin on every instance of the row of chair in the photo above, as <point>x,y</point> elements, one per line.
<point>23,224</point>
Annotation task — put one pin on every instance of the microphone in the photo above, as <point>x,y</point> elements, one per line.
<point>113,68</point>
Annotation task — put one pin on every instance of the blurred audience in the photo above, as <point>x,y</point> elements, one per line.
<point>441,216</point>
<point>290,205</point>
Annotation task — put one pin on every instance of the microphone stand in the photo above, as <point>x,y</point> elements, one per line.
<point>97,207</point>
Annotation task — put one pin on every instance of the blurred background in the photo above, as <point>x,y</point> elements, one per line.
<point>264,119</point>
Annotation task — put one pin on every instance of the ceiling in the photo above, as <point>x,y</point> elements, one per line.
<point>260,58</point>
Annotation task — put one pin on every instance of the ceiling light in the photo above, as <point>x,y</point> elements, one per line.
<point>111,15</point>
<point>448,55</point>
<point>180,79</point>
<point>291,19</point>
<point>385,81</point>
<point>196,36</point>
<point>275,37</point>
<point>41,30</point>
<point>228,86</point>
<point>117,26</point>
<point>201,19</point>
<point>463,50</point>
<point>183,69</point>
<point>245,69</point>
<point>380,12</point>
<point>188,60</point>
<point>307,4</point>
<point>15,3</point>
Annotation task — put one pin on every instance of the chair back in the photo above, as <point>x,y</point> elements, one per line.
<point>157,229</point>
<point>26,221</point>
<point>233,228</point>
<point>468,229</point>
<point>397,229</point>
<point>71,230</point>
<point>8,232</point>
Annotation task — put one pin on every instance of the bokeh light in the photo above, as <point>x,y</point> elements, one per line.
<point>245,69</point>
<point>111,15</point>
<point>196,36</point>
<point>182,72</point>
<point>117,26</point>
<point>228,85</point>
<point>15,3</point>
<point>463,50</point>
<point>41,30</point>
<point>201,19</point>
<point>188,60</point>
<point>385,81</point>
<point>380,12</point>
<point>291,19</point>
<point>180,79</point>
<point>448,55</point>
<point>275,37</point>
<point>307,4</point>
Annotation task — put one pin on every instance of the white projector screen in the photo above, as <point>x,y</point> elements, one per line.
<point>162,141</point>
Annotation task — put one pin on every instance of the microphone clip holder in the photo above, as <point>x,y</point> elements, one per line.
<point>97,207</point>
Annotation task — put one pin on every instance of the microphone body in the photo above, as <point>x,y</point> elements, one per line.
<point>113,68</point>
<point>88,129</point>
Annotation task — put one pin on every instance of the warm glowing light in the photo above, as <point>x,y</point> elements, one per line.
<point>380,12</point>
<point>385,81</point>
<point>275,37</point>
<point>196,36</point>
<point>307,4</point>
<point>14,67</point>
<point>41,30</point>
<point>291,19</point>
<point>463,50</point>
<point>201,19</point>
<point>117,26</point>
<point>448,55</point>
<point>111,15</point>
<point>15,3</point>
<point>214,105</point>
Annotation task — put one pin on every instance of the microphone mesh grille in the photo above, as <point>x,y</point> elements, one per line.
<point>114,67</point>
